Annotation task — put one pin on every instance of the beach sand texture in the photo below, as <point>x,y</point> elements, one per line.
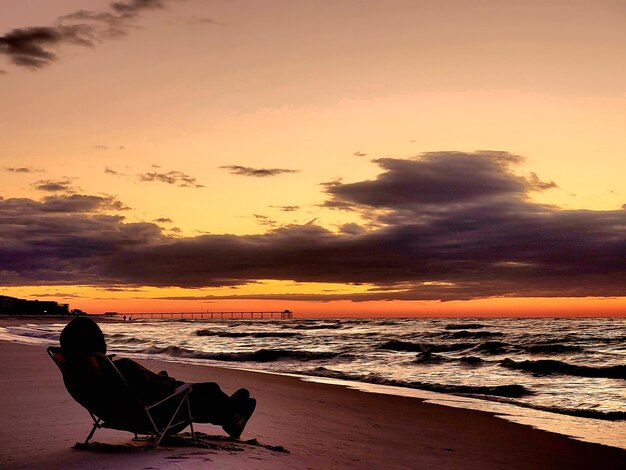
<point>322,426</point>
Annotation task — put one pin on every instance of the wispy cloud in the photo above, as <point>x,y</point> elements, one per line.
<point>205,20</point>
<point>256,172</point>
<point>287,208</point>
<point>177,178</point>
<point>171,177</point>
<point>264,220</point>
<point>22,169</point>
<point>35,47</point>
<point>108,147</point>
<point>111,171</point>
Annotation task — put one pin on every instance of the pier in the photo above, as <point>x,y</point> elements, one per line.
<point>283,315</point>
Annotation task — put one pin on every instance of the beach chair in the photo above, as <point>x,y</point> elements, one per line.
<point>96,384</point>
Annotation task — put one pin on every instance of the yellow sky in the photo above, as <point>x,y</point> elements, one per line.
<point>200,85</point>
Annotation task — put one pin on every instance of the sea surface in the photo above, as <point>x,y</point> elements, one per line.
<point>572,367</point>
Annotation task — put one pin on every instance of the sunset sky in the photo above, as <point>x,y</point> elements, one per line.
<point>396,157</point>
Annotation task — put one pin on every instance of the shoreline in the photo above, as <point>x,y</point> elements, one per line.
<point>322,425</point>
<point>585,429</point>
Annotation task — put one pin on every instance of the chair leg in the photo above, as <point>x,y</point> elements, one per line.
<point>157,440</point>
<point>193,434</point>
<point>93,430</point>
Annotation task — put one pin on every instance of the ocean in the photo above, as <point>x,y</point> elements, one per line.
<point>519,368</point>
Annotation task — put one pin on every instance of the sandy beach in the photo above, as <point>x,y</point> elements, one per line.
<point>320,425</point>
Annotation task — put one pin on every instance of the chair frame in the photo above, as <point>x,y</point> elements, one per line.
<point>180,397</point>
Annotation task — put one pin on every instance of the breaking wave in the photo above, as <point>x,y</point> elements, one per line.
<point>511,391</point>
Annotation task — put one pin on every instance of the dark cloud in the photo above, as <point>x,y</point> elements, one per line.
<point>56,295</point>
<point>478,236</point>
<point>359,154</point>
<point>163,220</point>
<point>53,185</point>
<point>257,172</point>
<point>133,7</point>
<point>30,47</point>
<point>434,178</point>
<point>352,229</point>
<point>22,169</point>
<point>81,203</point>
<point>34,47</point>
<point>171,177</point>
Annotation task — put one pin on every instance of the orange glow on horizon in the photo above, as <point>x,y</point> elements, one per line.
<point>497,307</point>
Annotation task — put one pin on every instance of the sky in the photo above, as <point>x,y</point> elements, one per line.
<point>358,157</point>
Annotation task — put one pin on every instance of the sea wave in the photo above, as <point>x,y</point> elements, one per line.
<point>493,347</point>
<point>322,326</point>
<point>580,412</point>
<point>464,326</point>
<point>260,355</point>
<point>511,391</point>
<point>428,357</point>
<point>397,345</point>
<point>552,348</point>
<point>241,334</point>
<point>472,334</point>
<point>549,366</point>
<point>471,360</point>
<point>29,332</point>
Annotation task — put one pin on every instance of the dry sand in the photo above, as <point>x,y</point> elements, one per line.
<point>322,426</point>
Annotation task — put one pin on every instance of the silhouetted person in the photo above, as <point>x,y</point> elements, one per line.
<point>209,404</point>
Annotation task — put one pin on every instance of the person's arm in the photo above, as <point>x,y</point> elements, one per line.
<point>150,387</point>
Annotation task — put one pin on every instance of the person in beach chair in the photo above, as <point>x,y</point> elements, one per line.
<point>162,396</point>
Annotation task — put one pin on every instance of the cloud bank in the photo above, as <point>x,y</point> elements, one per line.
<point>444,226</point>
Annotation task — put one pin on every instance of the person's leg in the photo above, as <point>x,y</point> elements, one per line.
<point>209,404</point>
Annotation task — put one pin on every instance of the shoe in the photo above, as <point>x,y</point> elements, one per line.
<point>240,419</point>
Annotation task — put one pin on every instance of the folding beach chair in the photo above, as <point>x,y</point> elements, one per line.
<point>96,384</point>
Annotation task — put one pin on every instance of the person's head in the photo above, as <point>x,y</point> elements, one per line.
<point>82,336</point>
